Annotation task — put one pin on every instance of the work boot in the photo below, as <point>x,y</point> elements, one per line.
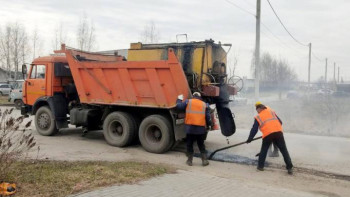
<point>189,158</point>
<point>205,161</point>
<point>85,132</point>
<point>290,171</point>
<point>260,168</point>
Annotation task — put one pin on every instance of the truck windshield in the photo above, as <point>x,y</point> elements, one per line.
<point>38,72</point>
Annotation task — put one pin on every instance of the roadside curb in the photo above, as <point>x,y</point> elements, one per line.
<point>7,105</point>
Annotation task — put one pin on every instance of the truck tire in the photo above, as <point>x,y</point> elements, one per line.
<point>45,122</point>
<point>18,104</point>
<point>119,129</point>
<point>156,134</point>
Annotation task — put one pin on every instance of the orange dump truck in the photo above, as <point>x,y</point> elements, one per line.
<point>128,99</point>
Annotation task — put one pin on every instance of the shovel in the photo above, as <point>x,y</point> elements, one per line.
<point>227,147</point>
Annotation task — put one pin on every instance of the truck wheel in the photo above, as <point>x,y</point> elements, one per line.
<point>119,129</point>
<point>18,104</point>
<point>45,122</point>
<point>156,134</point>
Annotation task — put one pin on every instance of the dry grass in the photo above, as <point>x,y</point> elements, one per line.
<point>4,100</point>
<point>56,178</point>
<point>15,140</point>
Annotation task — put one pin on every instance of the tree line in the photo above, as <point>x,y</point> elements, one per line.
<point>17,46</point>
<point>274,73</point>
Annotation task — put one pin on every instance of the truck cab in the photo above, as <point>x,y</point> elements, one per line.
<point>45,78</point>
<point>44,86</point>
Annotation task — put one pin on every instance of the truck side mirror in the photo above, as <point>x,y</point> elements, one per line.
<point>24,70</point>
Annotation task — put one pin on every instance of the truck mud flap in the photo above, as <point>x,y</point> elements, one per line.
<point>227,123</point>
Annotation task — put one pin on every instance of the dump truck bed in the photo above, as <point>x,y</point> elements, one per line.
<point>153,84</point>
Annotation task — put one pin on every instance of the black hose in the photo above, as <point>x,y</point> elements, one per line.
<point>227,147</point>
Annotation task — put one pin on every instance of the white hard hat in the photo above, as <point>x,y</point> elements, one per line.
<point>197,94</point>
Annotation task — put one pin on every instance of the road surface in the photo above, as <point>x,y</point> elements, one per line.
<point>322,166</point>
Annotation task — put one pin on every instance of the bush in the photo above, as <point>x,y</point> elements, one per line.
<point>15,141</point>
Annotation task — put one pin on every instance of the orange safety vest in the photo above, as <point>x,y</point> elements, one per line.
<point>268,122</point>
<point>195,112</point>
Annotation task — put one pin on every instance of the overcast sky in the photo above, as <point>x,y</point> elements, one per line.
<point>324,23</point>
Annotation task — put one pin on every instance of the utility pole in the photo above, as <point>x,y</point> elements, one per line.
<point>325,74</point>
<point>334,74</point>
<point>257,49</point>
<point>308,78</point>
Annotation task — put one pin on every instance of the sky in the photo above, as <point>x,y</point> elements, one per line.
<point>323,23</point>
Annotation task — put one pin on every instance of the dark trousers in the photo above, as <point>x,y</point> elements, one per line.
<point>190,138</point>
<point>278,139</point>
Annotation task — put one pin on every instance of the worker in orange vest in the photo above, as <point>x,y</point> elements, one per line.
<point>270,126</point>
<point>197,119</point>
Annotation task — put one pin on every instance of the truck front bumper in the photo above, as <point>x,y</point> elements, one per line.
<point>25,109</point>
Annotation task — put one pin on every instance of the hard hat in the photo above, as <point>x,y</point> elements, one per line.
<point>197,94</point>
<point>258,103</point>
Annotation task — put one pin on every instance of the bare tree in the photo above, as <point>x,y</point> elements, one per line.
<point>150,33</point>
<point>232,65</point>
<point>60,36</point>
<point>274,70</point>
<point>19,42</point>
<point>86,37</point>
<point>15,140</point>
<point>25,50</point>
<point>5,49</point>
<point>36,43</point>
<point>275,73</point>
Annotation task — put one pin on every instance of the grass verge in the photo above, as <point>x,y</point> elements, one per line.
<point>59,178</point>
<point>4,100</point>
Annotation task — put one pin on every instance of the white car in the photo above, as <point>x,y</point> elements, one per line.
<point>5,89</point>
<point>15,95</point>
<point>238,100</point>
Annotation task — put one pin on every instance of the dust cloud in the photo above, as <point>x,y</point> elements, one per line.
<point>307,113</point>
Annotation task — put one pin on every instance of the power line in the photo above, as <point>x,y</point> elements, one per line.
<point>250,13</point>
<point>250,4</point>
<point>319,59</point>
<point>237,6</point>
<point>279,41</point>
<point>285,26</point>
<point>276,37</point>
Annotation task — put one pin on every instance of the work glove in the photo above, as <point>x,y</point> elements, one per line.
<point>180,97</point>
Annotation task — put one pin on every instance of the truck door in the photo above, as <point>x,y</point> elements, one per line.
<point>36,83</point>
